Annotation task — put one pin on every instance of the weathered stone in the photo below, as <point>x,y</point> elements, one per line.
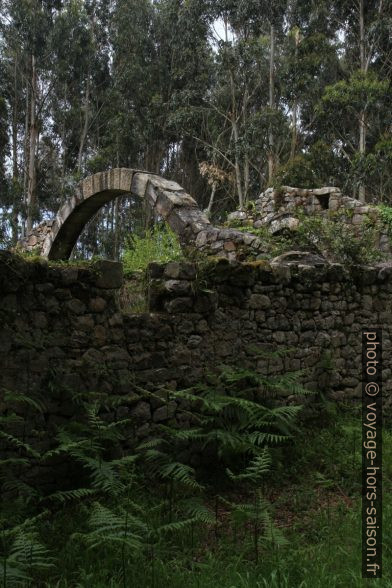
<point>237,215</point>
<point>109,274</point>
<point>116,320</point>
<point>99,335</point>
<point>178,305</point>
<point>164,412</point>
<point>76,306</point>
<point>194,341</point>
<point>179,287</point>
<point>141,412</point>
<point>229,246</point>
<point>259,302</point>
<point>298,257</point>
<point>180,270</point>
<point>85,323</point>
<point>97,304</point>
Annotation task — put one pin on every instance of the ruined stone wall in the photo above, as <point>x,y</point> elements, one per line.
<point>62,331</point>
<point>279,209</point>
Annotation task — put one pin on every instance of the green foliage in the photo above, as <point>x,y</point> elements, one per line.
<point>360,92</point>
<point>297,172</point>
<point>158,244</point>
<point>339,241</point>
<point>331,237</point>
<point>133,537</point>
<point>386,217</point>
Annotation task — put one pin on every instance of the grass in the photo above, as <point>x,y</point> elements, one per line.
<point>315,492</point>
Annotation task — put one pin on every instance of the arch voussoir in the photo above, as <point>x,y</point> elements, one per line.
<point>55,239</point>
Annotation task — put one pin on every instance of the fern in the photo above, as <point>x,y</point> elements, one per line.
<point>19,444</point>
<point>63,496</point>
<point>196,508</point>
<point>15,397</point>
<point>257,468</point>
<point>24,556</point>
<point>110,528</point>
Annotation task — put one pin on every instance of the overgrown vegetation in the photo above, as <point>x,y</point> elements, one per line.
<point>386,217</point>
<point>250,494</point>
<point>157,244</point>
<point>331,237</point>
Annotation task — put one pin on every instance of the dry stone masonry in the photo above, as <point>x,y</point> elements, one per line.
<point>63,331</point>
<point>278,210</point>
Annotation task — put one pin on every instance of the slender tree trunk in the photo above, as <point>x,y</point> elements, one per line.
<point>83,135</point>
<point>33,131</point>
<point>236,141</point>
<point>234,125</point>
<point>116,230</point>
<point>294,133</point>
<point>246,156</point>
<point>15,170</point>
<point>212,198</point>
<point>294,136</point>
<point>271,137</point>
<point>63,144</point>
<point>25,161</point>
<point>362,115</point>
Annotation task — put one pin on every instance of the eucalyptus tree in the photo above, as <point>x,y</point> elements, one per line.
<point>362,95</point>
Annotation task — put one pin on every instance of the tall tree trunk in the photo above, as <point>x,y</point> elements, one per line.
<point>362,115</point>
<point>15,170</point>
<point>211,201</point>
<point>25,161</point>
<point>83,134</point>
<point>33,133</point>
<point>234,124</point>
<point>235,131</point>
<point>116,230</point>
<point>246,156</point>
<point>294,132</point>
<point>271,137</point>
<point>294,136</point>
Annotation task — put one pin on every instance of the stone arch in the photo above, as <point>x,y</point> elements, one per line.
<point>56,239</point>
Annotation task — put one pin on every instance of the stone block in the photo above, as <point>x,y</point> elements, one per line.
<point>126,179</point>
<point>139,184</point>
<point>259,302</point>
<point>109,274</point>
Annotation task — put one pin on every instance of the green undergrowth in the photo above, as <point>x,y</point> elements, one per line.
<point>250,494</point>
<point>331,237</point>
<point>159,244</point>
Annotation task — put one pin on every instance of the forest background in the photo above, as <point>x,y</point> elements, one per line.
<point>226,97</point>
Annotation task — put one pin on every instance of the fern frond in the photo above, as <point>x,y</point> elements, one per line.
<point>14,397</point>
<point>198,510</point>
<point>11,461</point>
<point>109,528</point>
<point>20,444</point>
<point>64,496</point>
<point>176,526</point>
<point>257,468</point>
<point>151,444</point>
<point>260,438</point>
<point>181,473</point>
<point>15,485</point>
<point>103,475</point>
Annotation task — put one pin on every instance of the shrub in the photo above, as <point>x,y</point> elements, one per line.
<point>159,244</point>
<point>339,241</point>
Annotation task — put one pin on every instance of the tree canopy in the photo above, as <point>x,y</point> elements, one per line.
<point>226,97</point>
